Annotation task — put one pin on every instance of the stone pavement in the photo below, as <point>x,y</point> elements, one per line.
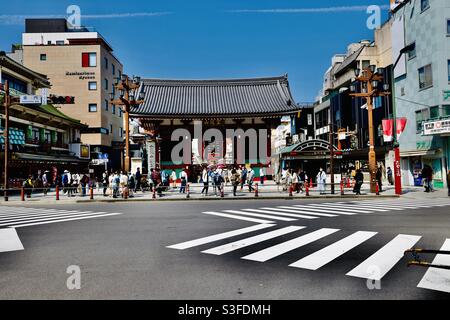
<point>267,191</point>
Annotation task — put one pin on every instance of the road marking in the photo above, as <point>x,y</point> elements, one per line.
<point>232,216</point>
<point>65,220</point>
<point>272,212</point>
<point>438,279</point>
<point>327,210</point>
<point>251,241</point>
<point>259,215</point>
<point>220,236</point>
<point>360,207</point>
<point>377,265</point>
<point>277,250</point>
<point>387,207</point>
<point>9,240</point>
<point>4,222</point>
<point>297,210</point>
<point>24,213</point>
<point>340,208</point>
<point>324,256</point>
<point>32,221</point>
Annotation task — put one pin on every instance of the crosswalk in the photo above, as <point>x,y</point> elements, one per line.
<point>312,211</point>
<point>18,217</point>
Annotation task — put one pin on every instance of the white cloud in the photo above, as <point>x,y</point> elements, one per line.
<point>20,19</point>
<point>309,10</point>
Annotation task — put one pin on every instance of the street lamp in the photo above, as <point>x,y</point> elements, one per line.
<point>369,90</point>
<point>127,100</point>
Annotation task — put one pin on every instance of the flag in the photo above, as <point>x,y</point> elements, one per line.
<point>401,125</point>
<point>388,130</point>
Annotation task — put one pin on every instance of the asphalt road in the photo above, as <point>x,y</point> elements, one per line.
<point>126,256</point>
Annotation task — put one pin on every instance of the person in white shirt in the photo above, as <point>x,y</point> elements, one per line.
<point>250,178</point>
<point>262,174</point>
<point>173,177</point>
<point>184,180</point>
<point>321,180</point>
<point>205,179</point>
<point>123,182</point>
<point>294,181</point>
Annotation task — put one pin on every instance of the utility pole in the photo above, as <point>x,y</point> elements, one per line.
<point>370,80</point>
<point>6,138</point>
<point>125,85</point>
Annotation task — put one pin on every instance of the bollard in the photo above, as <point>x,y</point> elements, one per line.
<point>290,191</point>
<point>154,193</point>
<point>57,192</point>
<point>342,187</point>
<point>348,183</point>
<point>311,183</point>
<point>125,193</point>
<point>188,191</point>
<point>307,189</point>
<point>377,189</point>
<point>91,192</point>
<point>256,191</point>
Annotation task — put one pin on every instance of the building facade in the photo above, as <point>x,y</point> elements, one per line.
<point>79,62</point>
<point>422,82</point>
<point>41,136</point>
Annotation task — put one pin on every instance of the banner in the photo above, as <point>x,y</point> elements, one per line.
<point>388,128</point>
<point>401,125</point>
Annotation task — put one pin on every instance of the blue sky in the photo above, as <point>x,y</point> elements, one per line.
<point>216,38</point>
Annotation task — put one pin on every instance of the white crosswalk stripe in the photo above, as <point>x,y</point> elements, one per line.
<point>259,215</point>
<point>297,210</point>
<point>279,249</point>
<point>438,279</point>
<point>376,266</point>
<point>232,216</point>
<point>324,256</point>
<point>250,241</point>
<point>9,240</point>
<point>18,217</point>
<point>302,216</point>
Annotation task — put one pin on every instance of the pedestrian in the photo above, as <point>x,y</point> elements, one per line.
<point>262,175</point>
<point>84,182</point>
<point>184,179</point>
<point>138,180</point>
<point>116,185</point>
<point>28,186</point>
<point>158,182</point>
<point>321,180</point>
<point>448,182</point>
<point>45,183</point>
<point>359,180</point>
<point>301,180</point>
<point>105,182</point>
<point>379,177</point>
<point>235,179</point>
<point>173,177</point>
<point>243,177</point>
<point>123,184</point>
<point>294,181</point>
<point>66,180</point>
<point>205,179</point>
<point>390,176</point>
<point>131,185</point>
<point>76,182</point>
<point>250,179</point>
<point>427,176</point>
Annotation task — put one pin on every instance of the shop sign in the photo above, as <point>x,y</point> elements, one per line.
<point>436,127</point>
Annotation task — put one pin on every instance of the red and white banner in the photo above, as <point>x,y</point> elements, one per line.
<point>388,128</point>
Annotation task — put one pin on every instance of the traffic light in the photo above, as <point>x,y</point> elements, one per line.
<point>61,99</point>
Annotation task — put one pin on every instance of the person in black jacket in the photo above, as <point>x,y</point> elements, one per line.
<point>379,177</point>
<point>359,180</point>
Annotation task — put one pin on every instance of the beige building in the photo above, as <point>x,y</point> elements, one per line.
<point>80,63</point>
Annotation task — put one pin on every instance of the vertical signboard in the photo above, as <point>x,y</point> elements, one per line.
<point>151,154</point>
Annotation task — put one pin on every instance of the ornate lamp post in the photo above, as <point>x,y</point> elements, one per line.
<point>370,78</point>
<point>127,99</point>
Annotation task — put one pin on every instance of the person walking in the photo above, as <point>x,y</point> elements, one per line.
<point>262,175</point>
<point>45,183</point>
<point>28,186</point>
<point>105,182</point>
<point>390,176</point>
<point>173,177</point>
<point>427,176</point>
<point>84,182</point>
<point>235,179</point>
<point>321,180</point>
<point>379,177</point>
<point>131,185</point>
<point>205,179</point>
<point>294,181</point>
<point>243,177</point>
<point>250,179</point>
<point>138,177</point>
<point>116,185</point>
<point>301,180</point>
<point>184,180</point>
<point>123,183</point>
<point>359,180</point>
<point>218,181</point>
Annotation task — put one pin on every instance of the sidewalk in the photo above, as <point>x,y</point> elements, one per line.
<point>268,191</point>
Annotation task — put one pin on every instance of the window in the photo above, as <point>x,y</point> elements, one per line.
<point>120,132</point>
<point>424,4</point>
<point>43,57</point>
<point>59,42</point>
<point>92,85</point>
<point>120,112</point>
<point>365,64</point>
<point>88,59</point>
<point>113,67</point>
<point>448,67</point>
<point>105,84</point>
<point>106,105</point>
<point>106,63</point>
<point>412,53</point>
<point>113,89</point>
<point>111,129</point>
<point>446,110</point>
<point>448,27</point>
<point>113,109</point>
<point>421,116</point>
<point>92,107</point>
<point>425,77</point>
<point>434,112</point>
